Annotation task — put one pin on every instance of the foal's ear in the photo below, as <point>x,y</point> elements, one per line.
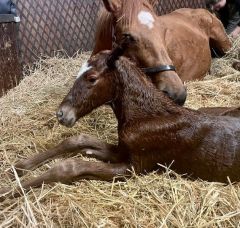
<point>118,51</point>
<point>114,56</point>
<point>112,6</point>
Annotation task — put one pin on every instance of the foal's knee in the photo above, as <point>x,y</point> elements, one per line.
<point>65,171</point>
<point>76,140</point>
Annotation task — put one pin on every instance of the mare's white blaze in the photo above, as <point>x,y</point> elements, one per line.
<point>85,67</point>
<point>146,18</point>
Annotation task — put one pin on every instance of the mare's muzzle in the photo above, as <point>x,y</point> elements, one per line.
<point>172,85</point>
<point>178,97</point>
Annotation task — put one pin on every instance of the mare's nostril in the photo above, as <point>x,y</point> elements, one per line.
<point>60,114</point>
<point>166,92</point>
<point>177,98</point>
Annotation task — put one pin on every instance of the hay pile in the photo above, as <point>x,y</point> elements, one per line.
<point>28,126</point>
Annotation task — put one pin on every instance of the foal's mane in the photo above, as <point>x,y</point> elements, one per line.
<point>147,98</point>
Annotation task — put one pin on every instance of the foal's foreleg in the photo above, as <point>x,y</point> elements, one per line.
<point>69,171</point>
<point>84,144</point>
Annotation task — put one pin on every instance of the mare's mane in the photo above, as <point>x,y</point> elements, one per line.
<point>104,25</point>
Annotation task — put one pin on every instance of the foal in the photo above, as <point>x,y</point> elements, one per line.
<point>152,129</point>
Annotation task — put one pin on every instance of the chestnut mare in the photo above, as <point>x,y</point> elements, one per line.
<point>152,129</point>
<point>180,40</point>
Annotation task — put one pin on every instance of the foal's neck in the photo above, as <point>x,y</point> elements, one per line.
<point>136,97</point>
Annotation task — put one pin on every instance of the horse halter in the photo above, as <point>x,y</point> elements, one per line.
<point>158,69</point>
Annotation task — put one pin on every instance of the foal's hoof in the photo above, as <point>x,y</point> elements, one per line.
<point>236,66</point>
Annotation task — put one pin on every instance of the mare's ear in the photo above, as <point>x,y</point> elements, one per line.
<point>112,6</point>
<point>153,2</point>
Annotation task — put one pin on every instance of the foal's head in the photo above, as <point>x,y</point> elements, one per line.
<point>93,87</point>
<point>136,19</point>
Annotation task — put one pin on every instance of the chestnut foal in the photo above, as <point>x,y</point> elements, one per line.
<point>152,129</point>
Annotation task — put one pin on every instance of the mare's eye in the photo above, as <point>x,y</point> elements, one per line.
<point>129,37</point>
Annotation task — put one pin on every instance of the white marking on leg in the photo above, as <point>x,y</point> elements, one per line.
<point>146,18</point>
<point>89,152</point>
<point>85,67</point>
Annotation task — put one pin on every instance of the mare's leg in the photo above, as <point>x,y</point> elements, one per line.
<point>69,171</point>
<point>86,145</point>
<point>221,111</point>
<point>235,112</point>
<point>218,37</point>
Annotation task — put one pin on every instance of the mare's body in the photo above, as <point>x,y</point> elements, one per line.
<point>184,35</point>
<point>182,38</point>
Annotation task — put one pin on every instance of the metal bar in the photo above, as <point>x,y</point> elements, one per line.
<point>6,18</point>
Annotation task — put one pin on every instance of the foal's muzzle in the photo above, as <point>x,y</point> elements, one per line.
<point>66,116</point>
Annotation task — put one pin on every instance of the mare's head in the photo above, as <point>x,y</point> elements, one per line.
<point>137,19</point>
<point>94,86</point>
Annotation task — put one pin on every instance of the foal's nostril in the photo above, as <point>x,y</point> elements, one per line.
<point>59,114</point>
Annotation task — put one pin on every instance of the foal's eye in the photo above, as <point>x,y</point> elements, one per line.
<point>92,78</point>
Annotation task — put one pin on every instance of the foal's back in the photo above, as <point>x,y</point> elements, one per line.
<point>206,147</point>
<point>219,151</point>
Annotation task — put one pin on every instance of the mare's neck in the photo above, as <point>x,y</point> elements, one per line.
<point>136,97</point>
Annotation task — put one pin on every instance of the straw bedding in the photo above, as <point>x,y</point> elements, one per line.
<point>29,126</point>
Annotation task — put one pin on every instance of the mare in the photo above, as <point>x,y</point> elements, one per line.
<point>152,129</point>
<point>173,48</point>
